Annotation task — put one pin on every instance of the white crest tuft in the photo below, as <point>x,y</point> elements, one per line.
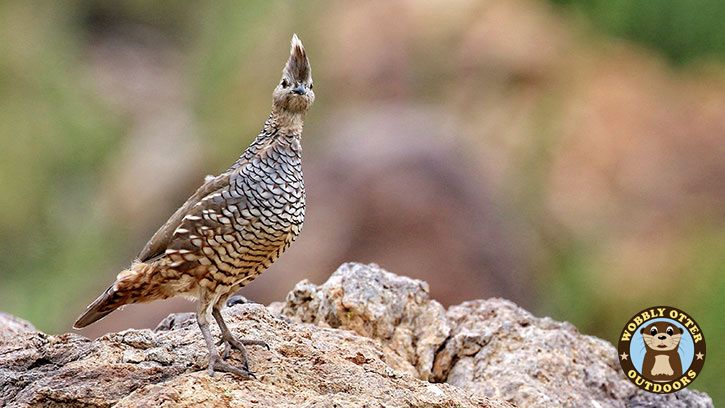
<point>297,67</point>
<point>295,43</point>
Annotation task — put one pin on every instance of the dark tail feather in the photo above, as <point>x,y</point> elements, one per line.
<point>100,308</point>
<point>132,285</point>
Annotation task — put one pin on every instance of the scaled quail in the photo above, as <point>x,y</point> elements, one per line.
<point>232,228</point>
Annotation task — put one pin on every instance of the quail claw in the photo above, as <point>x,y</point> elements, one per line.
<point>218,365</point>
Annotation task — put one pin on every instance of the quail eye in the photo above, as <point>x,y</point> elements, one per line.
<point>670,331</point>
<point>285,84</point>
<point>311,85</point>
<point>653,331</point>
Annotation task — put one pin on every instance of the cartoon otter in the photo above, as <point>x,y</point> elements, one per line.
<point>661,359</point>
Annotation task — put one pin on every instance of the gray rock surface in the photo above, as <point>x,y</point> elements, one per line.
<point>374,303</point>
<point>365,338</point>
<point>11,326</point>
<point>490,347</point>
<point>500,350</point>
<point>307,366</point>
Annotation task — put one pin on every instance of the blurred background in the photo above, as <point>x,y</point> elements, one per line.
<point>568,155</point>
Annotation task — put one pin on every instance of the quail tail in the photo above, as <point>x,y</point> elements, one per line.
<point>105,304</point>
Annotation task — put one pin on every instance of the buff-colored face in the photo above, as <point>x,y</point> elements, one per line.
<point>294,91</point>
<point>662,336</point>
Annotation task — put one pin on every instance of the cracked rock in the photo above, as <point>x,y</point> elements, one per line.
<point>307,366</point>
<point>374,303</point>
<point>489,347</point>
<point>364,338</point>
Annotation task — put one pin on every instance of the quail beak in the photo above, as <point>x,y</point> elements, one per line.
<point>300,90</point>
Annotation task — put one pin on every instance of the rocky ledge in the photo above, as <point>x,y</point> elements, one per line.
<point>366,337</point>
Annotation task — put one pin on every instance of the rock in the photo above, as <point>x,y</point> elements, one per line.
<point>491,347</point>
<point>366,337</point>
<point>377,304</point>
<point>11,326</point>
<point>500,350</point>
<point>308,366</point>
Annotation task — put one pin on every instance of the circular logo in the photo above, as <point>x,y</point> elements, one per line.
<point>662,349</point>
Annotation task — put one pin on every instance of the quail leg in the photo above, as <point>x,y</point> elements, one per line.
<point>230,341</point>
<point>216,363</point>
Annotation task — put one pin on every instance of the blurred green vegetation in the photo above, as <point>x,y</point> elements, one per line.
<point>58,138</point>
<point>682,30</point>
<point>55,136</point>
